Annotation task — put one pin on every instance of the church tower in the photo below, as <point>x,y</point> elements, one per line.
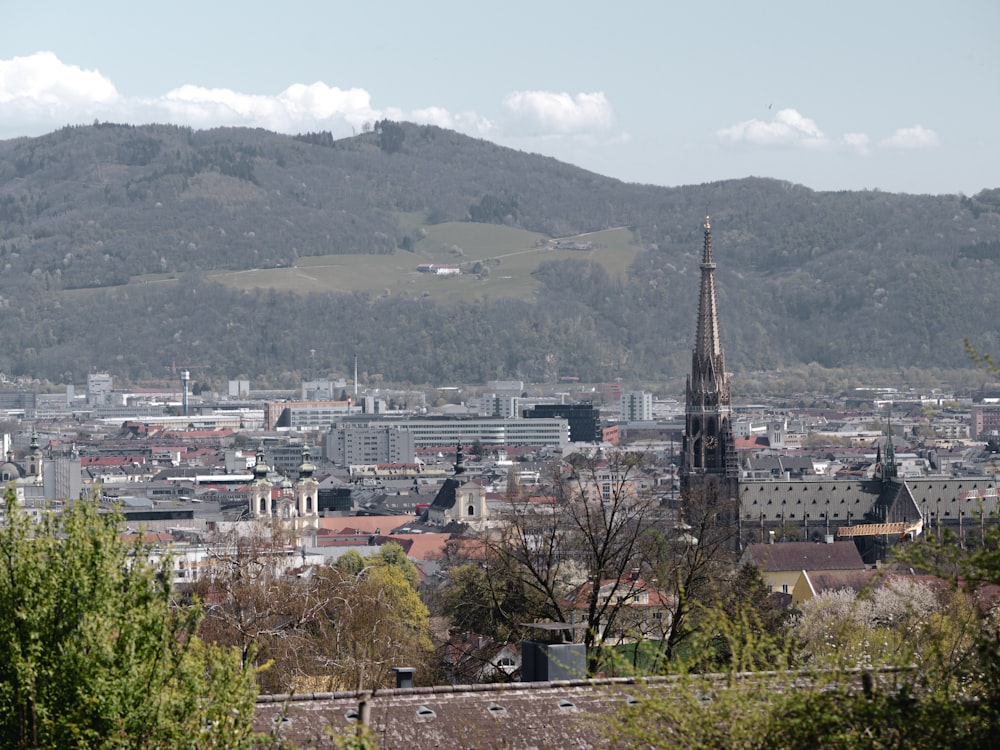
<point>261,503</point>
<point>33,461</point>
<point>709,452</point>
<point>307,493</point>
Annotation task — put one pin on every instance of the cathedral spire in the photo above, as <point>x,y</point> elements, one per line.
<point>708,449</point>
<point>889,470</point>
<point>707,345</point>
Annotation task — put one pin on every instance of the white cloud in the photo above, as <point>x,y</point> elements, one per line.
<point>39,88</point>
<point>40,93</point>
<point>299,107</point>
<point>916,137</point>
<point>552,113</point>
<point>789,128</point>
<point>786,128</point>
<point>856,141</point>
<point>464,122</point>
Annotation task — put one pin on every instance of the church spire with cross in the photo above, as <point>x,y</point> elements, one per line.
<point>708,448</point>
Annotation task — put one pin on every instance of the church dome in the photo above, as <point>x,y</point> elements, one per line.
<point>307,467</point>
<point>10,471</point>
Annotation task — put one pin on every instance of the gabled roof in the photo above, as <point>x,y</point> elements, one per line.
<point>627,588</point>
<point>445,498</point>
<point>363,524</point>
<point>809,556</point>
<point>856,581</point>
<point>750,443</point>
<point>422,546</point>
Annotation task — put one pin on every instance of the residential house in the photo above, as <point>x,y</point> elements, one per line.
<point>469,659</point>
<point>783,564</point>
<point>632,610</point>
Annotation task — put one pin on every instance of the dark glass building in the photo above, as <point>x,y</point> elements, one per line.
<point>584,419</point>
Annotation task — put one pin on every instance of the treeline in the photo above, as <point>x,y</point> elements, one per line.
<point>843,279</point>
<point>269,337</point>
<point>585,323</point>
<point>162,198</point>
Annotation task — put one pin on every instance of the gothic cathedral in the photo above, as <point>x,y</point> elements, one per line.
<point>708,451</point>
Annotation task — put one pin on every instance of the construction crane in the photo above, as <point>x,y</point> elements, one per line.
<point>905,529</point>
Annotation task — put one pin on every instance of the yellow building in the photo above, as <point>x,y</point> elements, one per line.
<point>782,565</point>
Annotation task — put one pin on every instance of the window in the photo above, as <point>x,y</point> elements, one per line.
<point>784,588</point>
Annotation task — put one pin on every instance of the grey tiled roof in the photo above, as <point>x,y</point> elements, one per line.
<point>512,716</point>
<point>812,556</point>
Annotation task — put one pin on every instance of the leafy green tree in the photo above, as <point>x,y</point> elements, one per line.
<point>374,621</point>
<point>491,600</point>
<point>93,654</point>
<point>904,664</point>
<point>392,556</point>
<point>742,630</point>
<point>351,562</point>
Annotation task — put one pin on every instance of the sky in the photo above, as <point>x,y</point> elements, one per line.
<point>900,96</point>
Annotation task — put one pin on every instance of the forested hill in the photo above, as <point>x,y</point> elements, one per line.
<point>864,279</point>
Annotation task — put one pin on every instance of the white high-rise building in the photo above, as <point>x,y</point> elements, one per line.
<point>493,405</point>
<point>98,388</point>
<point>369,443</point>
<point>637,406</point>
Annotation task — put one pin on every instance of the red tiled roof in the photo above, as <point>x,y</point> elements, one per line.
<point>578,598</point>
<point>364,524</point>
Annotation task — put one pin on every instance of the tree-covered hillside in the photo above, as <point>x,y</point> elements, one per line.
<point>865,279</point>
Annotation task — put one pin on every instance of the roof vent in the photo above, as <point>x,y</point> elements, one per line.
<point>425,713</point>
<point>567,705</point>
<point>496,709</point>
<point>351,714</point>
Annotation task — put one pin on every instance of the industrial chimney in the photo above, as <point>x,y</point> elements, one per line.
<point>185,381</point>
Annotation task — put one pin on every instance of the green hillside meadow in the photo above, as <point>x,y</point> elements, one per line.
<point>511,255</point>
